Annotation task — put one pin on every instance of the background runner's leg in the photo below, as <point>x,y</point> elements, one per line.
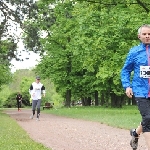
<point>38,107</point>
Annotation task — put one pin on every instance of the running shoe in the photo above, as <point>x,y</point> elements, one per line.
<point>134,140</point>
<point>31,117</point>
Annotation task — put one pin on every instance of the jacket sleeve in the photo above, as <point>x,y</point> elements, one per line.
<point>127,69</point>
<point>43,89</point>
<point>31,88</point>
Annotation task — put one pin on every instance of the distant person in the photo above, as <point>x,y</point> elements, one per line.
<point>138,61</point>
<point>19,101</point>
<point>37,90</point>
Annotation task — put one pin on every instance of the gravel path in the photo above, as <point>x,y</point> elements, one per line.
<point>61,133</point>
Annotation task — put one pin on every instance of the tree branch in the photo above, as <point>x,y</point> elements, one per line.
<point>142,4</point>
<point>115,3</point>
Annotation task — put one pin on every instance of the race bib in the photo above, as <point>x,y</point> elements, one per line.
<point>145,71</point>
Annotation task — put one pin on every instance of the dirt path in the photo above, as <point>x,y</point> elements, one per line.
<point>60,133</point>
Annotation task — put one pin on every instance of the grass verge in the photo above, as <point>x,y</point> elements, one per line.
<point>13,137</point>
<point>127,117</point>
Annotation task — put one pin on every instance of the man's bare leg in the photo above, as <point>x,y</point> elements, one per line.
<point>139,129</point>
<point>145,134</point>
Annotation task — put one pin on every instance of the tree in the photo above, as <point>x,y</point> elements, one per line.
<point>12,15</point>
<point>21,81</point>
<point>86,45</point>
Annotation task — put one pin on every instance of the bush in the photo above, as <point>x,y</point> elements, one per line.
<point>11,101</point>
<point>26,99</point>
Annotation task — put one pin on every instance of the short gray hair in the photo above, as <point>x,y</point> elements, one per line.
<point>140,28</point>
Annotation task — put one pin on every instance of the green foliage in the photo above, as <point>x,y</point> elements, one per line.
<point>87,43</point>
<point>7,48</point>
<point>11,101</point>
<point>21,81</point>
<point>51,95</point>
<point>24,87</point>
<point>18,78</point>
<point>13,14</point>
<point>57,100</point>
<point>14,87</point>
<point>6,76</point>
<point>4,94</point>
<point>6,54</point>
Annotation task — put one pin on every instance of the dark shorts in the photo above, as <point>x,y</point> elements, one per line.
<point>144,108</point>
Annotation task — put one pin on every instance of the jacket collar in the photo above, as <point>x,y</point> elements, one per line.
<point>144,45</point>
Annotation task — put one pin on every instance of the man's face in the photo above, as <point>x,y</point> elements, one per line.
<point>144,35</point>
<point>37,80</point>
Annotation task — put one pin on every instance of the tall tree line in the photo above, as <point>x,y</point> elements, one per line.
<point>84,44</point>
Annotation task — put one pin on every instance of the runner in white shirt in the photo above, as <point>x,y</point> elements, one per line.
<point>36,91</point>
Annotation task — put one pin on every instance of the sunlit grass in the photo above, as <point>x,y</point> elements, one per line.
<point>13,137</point>
<point>126,117</point>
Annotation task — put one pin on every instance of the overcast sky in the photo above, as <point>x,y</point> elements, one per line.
<point>27,63</point>
<point>32,60</point>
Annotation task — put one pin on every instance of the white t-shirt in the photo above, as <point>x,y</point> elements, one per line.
<point>36,90</point>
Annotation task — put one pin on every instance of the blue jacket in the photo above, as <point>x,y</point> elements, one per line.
<point>136,57</point>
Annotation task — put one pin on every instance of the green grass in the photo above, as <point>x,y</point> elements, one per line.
<point>127,117</point>
<point>13,137</point>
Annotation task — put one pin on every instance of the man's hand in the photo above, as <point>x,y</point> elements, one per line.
<point>129,92</point>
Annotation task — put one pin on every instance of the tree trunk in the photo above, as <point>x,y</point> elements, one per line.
<point>68,98</point>
<point>133,100</point>
<point>96,98</point>
<point>89,101</point>
<point>116,101</point>
<point>68,70</point>
<point>83,101</point>
<point>129,101</point>
<point>86,101</point>
<point>102,100</point>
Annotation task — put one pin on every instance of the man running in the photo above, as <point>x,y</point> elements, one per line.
<point>36,91</point>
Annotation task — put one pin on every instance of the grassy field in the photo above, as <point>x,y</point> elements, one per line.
<point>13,137</point>
<point>127,117</point>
